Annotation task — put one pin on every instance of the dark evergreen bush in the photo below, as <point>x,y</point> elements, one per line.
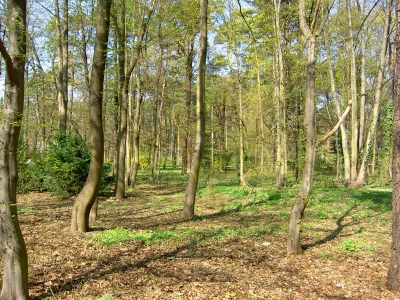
<point>62,169</point>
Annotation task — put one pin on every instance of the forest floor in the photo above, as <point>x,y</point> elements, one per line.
<point>235,248</point>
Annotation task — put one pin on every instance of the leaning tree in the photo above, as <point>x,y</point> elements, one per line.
<point>88,195</point>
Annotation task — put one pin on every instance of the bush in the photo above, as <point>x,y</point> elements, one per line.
<point>62,169</point>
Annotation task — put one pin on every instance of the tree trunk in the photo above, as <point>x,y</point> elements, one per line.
<point>369,143</point>
<point>188,209</point>
<point>62,81</point>
<point>393,276</point>
<point>123,105</point>
<point>281,136</point>
<point>343,131</point>
<point>136,129</point>
<point>294,246</point>
<point>88,194</point>
<point>354,103</point>
<point>188,90</point>
<point>125,74</point>
<point>13,249</point>
<point>363,90</point>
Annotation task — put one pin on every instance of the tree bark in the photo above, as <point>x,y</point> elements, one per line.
<point>354,103</point>
<point>88,194</point>
<point>281,136</point>
<point>136,129</point>
<point>369,143</point>
<point>125,74</point>
<point>62,81</point>
<point>393,276</point>
<point>294,246</point>
<point>13,249</point>
<point>188,91</point>
<point>343,131</point>
<point>188,209</point>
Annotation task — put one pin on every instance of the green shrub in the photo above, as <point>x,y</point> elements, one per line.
<point>61,169</point>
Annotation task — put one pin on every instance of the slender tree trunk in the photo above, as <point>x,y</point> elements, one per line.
<point>188,209</point>
<point>281,135</point>
<point>62,82</point>
<point>353,92</point>
<point>393,276</point>
<point>125,74</point>
<point>241,128</point>
<point>343,131</point>
<point>136,129</point>
<point>123,105</point>
<point>363,90</point>
<point>294,246</point>
<point>369,143</point>
<point>13,249</point>
<point>188,90</point>
<point>88,194</point>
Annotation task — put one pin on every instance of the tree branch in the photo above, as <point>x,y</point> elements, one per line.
<point>7,58</point>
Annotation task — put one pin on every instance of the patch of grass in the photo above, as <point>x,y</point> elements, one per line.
<point>113,236</point>
<point>351,246</point>
<point>22,210</point>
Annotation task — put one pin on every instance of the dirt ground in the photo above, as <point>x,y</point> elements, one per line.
<point>63,265</point>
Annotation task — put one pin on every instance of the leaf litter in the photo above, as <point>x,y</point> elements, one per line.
<point>223,253</point>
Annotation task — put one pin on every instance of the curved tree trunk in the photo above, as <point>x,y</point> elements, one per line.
<point>13,249</point>
<point>88,194</point>
<point>188,209</point>
<point>294,246</point>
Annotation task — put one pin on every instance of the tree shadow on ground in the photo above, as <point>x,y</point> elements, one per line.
<point>109,266</point>
<point>335,232</point>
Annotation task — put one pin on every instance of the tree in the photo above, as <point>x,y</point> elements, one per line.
<point>369,144</point>
<point>393,276</point>
<point>86,198</point>
<point>188,209</point>
<point>310,33</point>
<point>62,45</point>
<point>13,249</point>
<point>125,74</point>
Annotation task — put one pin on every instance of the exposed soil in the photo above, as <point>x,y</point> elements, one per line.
<point>63,265</point>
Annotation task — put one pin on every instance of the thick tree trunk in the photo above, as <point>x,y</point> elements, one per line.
<point>88,194</point>
<point>188,209</point>
<point>393,276</point>
<point>13,249</point>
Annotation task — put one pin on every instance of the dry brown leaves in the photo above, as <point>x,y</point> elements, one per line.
<point>69,266</point>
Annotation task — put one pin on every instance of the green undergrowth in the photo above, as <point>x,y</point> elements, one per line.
<point>228,212</point>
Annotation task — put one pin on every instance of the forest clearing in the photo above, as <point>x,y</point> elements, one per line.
<point>198,129</point>
<point>235,248</point>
